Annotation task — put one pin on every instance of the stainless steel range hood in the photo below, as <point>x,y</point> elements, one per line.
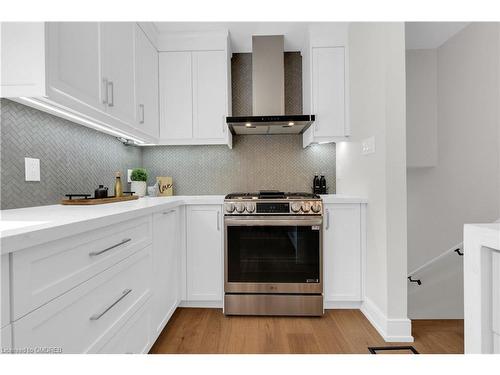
<point>268,90</point>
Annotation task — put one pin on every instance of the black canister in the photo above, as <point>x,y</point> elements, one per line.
<point>101,192</point>
<point>322,183</point>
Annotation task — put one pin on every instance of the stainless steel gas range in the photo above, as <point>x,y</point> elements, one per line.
<point>273,254</point>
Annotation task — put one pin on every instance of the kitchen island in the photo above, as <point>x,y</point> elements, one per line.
<point>482,288</point>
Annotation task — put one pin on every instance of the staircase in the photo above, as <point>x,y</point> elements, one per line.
<point>435,289</point>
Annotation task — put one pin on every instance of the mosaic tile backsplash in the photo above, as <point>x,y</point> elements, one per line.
<point>73,158</point>
<point>256,162</point>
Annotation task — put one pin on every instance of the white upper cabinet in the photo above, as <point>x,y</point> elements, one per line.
<point>176,100</point>
<point>328,92</point>
<point>84,72</point>
<point>146,84</point>
<point>194,90</point>
<point>209,94</point>
<point>117,64</point>
<point>326,84</point>
<point>22,59</point>
<point>64,60</point>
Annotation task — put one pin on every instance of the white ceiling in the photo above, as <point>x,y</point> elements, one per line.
<point>241,32</point>
<point>430,35</point>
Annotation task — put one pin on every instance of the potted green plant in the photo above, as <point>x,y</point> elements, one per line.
<point>139,176</point>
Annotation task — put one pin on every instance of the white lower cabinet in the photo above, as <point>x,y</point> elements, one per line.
<point>88,316</point>
<point>135,336</point>
<point>204,270</point>
<point>342,261</point>
<point>166,268</point>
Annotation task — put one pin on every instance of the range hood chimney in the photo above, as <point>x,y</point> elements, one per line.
<point>268,93</point>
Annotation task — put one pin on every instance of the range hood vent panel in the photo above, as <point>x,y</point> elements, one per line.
<point>268,93</point>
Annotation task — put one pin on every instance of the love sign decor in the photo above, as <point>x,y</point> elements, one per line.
<point>165,186</point>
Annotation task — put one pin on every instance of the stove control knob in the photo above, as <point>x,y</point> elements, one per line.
<point>306,206</point>
<point>316,207</point>
<point>240,208</point>
<point>250,207</point>
<point>229,207</point>
<point>296,207</point>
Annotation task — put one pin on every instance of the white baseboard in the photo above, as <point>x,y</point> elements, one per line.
<point>391,330</point>
<point>342,305</point>
<point>202,304</point>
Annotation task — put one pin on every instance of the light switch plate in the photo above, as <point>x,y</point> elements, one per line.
<point>368,146</point>
<point>129,173</point>
<point>32,169</point>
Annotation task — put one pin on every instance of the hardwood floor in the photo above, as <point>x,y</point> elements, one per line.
<point>201,331</point>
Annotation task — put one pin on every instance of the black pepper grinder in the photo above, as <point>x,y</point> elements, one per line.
<point>322,183</point>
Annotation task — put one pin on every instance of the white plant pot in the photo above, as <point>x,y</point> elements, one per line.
<point>139,188</point>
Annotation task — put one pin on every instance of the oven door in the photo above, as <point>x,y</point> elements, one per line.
<point>273,254</point>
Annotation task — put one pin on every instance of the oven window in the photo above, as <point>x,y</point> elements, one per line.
<point>277,254</point>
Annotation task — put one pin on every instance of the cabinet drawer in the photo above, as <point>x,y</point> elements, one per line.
<point>44,272</point>
<point>134,337</point>
<point>90,314</point>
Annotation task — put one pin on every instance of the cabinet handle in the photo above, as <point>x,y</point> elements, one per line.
<point>168,212</point>
<point>97,316</point>
<point>141,107</point>
<point>112,102</point>
<point>105,91</point>
<point>94,253</point>
<point>327,212</point>
<point>224,126</point>
<point>218,220</point>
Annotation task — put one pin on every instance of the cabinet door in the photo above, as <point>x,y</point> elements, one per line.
<point>146,84</point>
<point>73,61</point>
<point>328,88</point>
<point>117,51</point>
<point>166,263</point>
<point>176,100</point>
<point>22,65</point>
<point>209,94</point>
<point>342,252</point>
<point>204,253</point>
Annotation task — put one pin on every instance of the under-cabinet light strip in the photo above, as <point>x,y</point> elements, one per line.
<point>80,119</point>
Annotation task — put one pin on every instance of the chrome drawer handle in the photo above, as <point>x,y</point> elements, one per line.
<point>168,212</point>
<point>99,315</point>
<point>94,253</point>
<point>111,103</point>
<point>105,98</point>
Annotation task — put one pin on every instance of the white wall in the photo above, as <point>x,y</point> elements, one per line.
<point>464,187</point>
<point>377,84</point>
<point>421,108</point>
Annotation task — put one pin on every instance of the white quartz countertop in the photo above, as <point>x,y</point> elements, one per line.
<point>24,227</point>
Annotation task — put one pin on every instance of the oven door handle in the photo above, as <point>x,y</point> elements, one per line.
<point>272,221</point>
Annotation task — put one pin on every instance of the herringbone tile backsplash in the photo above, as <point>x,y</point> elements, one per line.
<point>73,158</point>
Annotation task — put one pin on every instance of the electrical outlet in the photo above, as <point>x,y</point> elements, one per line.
<point>368,146</point>
<point>129,173</point>
<point>32,169</point>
